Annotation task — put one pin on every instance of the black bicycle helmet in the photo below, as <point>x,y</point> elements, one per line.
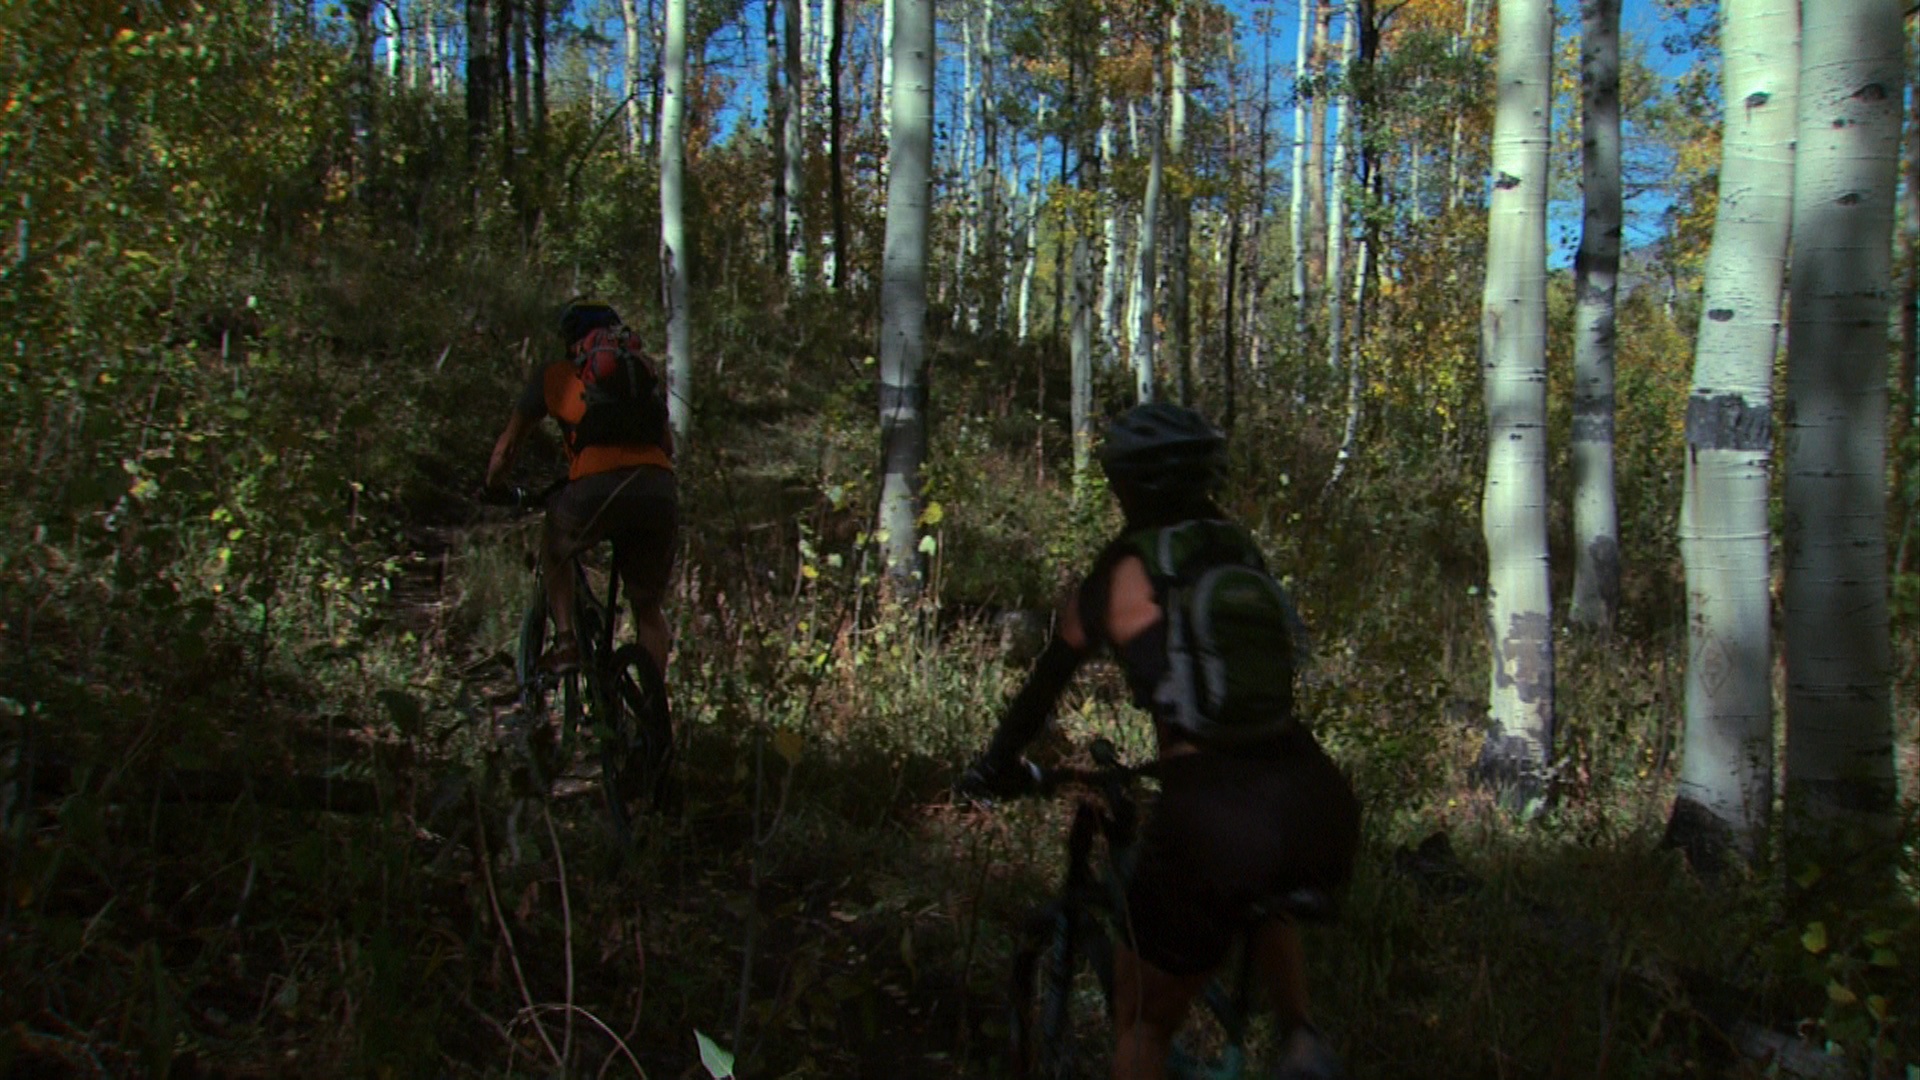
<point>580,319</point>
<point>1163,449</point>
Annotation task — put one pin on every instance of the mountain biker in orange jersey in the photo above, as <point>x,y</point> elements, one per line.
<point>1232,827</point>
<point>611,407</point>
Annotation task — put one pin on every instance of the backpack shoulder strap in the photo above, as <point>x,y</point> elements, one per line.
<point>1177,555</point>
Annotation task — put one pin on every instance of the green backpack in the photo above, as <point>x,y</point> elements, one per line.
<point>1234,638</point>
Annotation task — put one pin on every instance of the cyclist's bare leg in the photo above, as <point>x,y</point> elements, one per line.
<point>556,571</point>
<point>650,628</point>
<point>1148,1006</point>
<point>1282,965</point>
<point>1283,968</point>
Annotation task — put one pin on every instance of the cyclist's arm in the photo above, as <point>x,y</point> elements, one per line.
<point>507,447</point>
<point>1030,708</point>
<point>528,411</point>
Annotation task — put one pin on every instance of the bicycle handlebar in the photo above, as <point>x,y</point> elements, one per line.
<point>1108,773</point>
<point>520,498</point>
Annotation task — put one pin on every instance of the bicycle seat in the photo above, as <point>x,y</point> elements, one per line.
<point>1306,904</point>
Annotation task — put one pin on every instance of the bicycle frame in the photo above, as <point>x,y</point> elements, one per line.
<point>616,693</point>
<point>1088,916</point>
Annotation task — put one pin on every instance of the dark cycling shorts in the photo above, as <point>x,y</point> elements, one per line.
<point>1228,832</point>
<point>638,509</point>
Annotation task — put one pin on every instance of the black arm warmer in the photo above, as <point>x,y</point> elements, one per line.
<point>1028,711</point>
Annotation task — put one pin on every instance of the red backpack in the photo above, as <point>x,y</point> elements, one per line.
<point>626,399</point>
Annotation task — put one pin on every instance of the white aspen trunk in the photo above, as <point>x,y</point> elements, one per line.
<point>1513,330</point>
<point>1146,270</point>
<point>964,236</point>
<point>1456,176</point>
<point>903,293</point>
<point>673,233</point>
<point>1080,353</point>
<point>430,27</point>
<point>1179,260</point>
<point>1110,242</point>
<point>886,64</point>
<point>1596,520</point>
<point>1031,256</point>
<point>396,46</point>
<point>1255,274</point>
<point>1316,177</point>
<point>1110,282</point>
<point>807,47</point>
<point>1839,751</point>
<point>987,191</point>
<point>794,139</point>
<point>630,76</point>
<point>1725,796</point>
<point>1297,203</point>
<point>1356,381</point>
<point>828,17</point>
<point>1337,199</point>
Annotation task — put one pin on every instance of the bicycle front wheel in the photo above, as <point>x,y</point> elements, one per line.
<point>635,735</point>
<point>1061,1025</point>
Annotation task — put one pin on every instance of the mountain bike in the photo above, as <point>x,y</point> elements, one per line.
<point>616,697</point>
<point>1063,969</point>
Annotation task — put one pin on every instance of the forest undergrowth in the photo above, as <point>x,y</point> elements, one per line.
<point>258,632</point>
<point>821,907</point>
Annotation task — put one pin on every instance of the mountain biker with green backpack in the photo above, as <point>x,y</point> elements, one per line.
<point>1251,808</point>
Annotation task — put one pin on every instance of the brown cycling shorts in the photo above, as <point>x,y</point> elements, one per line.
<point>638,509</point>
<point>1227,832</point>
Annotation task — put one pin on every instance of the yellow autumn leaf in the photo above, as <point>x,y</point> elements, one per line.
<point>1815,938</point>
<point>1840,995</point>
<point>788,745</point>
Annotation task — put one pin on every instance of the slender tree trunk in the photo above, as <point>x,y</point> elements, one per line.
<point>522,71</point>
<point>1456,175</point>
<point>503,77</point>
<point>777,106</point>
<point>964,237</point>
<point>1147,272</point>
<point>1302,140</point>
<point>1726,775</point>
<point>1178,211</point>
<point>390,28</point>
<point>1336,228</point>
<point>430,27</point>
<point>1110,275</point>
<point>1080,349</point>
<point>1513,330</point>
<point>1317,110</point>
<point>1256,279</point>
<point>988,197</point>
<point>630,75</point>
<point>886,65</point>
<point>360,90</point>
<point>795,156</point>
<point>836,171</point>
<point>673,233</point>
<point>1907,402</point>
<point>1596,527</point>
<point>1839,754</point>
<point>538,17</point>
<point>903,296</point>
<point>1031,255</point>
<point>479,80</point>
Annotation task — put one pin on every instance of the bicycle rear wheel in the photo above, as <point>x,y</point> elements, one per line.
<point>636,742</point>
